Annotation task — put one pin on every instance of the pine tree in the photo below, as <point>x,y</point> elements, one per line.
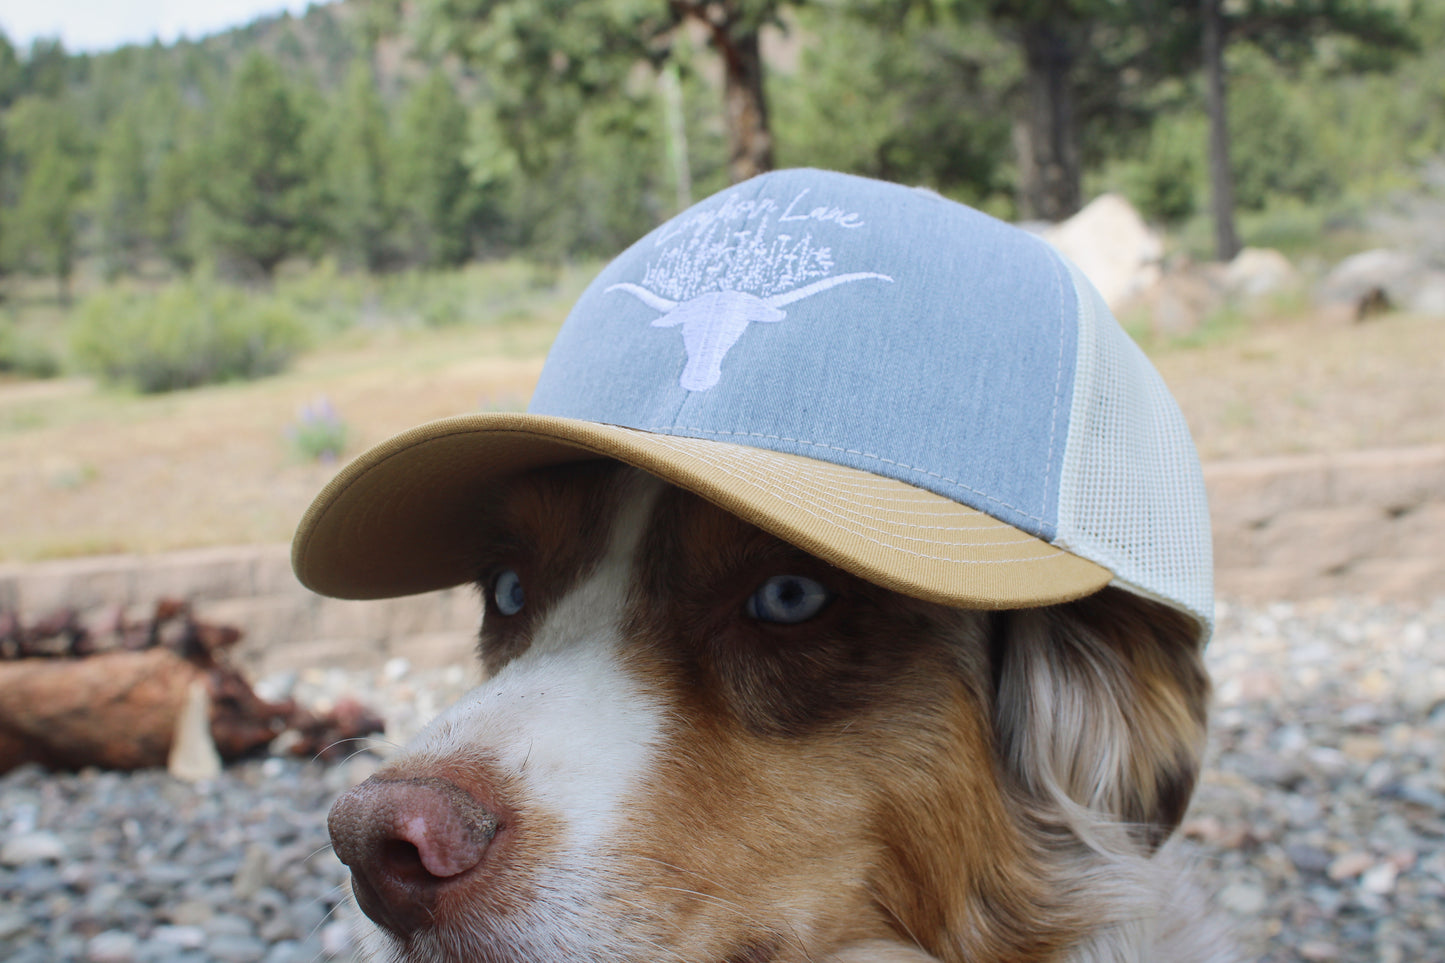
<point>173,200</point>
<point>258,185</point>
<point>363,209</point>
<point>121,193</point>
<point>439,202</point>
<point>42,231</point>
<point>10,71</point>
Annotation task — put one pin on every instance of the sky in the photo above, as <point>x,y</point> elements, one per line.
<point>94,25</point>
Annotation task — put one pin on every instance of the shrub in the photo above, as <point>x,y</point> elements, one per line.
<point>328,299</point>
<point>190,334</point>
<point>22,353</point>
<point>1166,182</point>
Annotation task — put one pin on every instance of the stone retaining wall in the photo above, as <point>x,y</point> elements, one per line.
<point>251,587</point>
<point>1355,523</point>
<point>1359,523</point>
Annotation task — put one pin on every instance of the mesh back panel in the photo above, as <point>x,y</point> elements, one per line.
<point>1132,494</point>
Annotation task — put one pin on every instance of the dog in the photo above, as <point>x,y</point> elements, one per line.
<point>698,743</point>
<point>881,647</point>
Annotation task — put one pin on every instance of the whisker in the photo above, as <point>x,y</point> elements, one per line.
<point>325,917</point>
<point>317,852</point>
<point>368,740</point>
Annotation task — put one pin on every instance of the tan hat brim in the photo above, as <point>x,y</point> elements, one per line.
<point>397,521</point>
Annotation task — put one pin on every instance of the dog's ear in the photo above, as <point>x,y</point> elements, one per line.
<point>1100,710</point>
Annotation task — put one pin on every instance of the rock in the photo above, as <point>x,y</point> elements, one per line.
<point>1358,274</point>
<point>1428,296</point>
<point>190,912</point>
<point>236,949</point>
<point>111,946</point>
<point>1308,859</point>
<point>32,847</point>
<point>1363,749</point>
<point>1246,899</point>
<point>1380,879</point>
<point>12,924</point>
<point>229,924</point>
<point>1256,272</point>
<point>1386,278</point>
<point>1350,865</point>
<point>278,686</point>
<point>1112,245</point>
<point>289,951</point>
<point>396,669</point>
<point>253,873</point>
<point>181,937</point>
<point>1181,301</point>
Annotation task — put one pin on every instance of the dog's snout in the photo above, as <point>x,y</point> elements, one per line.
<point>406,842</point>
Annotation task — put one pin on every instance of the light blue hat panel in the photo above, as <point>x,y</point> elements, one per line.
<point>607,365</point>
<point>872,325</point>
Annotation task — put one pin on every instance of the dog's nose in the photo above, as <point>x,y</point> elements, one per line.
<point>406,841</point>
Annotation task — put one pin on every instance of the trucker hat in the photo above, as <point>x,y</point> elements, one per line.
<point>911,390</point>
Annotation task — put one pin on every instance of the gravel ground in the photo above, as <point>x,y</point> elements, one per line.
<point>1319,824</point>
<point>1321,815</point>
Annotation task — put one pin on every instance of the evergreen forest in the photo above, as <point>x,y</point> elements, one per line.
<point>372,142</point>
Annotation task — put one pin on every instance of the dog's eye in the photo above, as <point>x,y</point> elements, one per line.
<point>507,592</point>
<point>787,600</point>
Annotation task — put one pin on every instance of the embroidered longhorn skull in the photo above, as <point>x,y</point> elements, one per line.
<point>713,322</point>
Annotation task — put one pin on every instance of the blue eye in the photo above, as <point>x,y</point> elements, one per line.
<point>787,600</point>
<point>507,592</point>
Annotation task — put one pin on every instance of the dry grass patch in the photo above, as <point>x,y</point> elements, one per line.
<point>87,470</point>
<point>1313,383</point>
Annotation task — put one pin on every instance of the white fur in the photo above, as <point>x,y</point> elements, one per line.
<point>578,734</point>
<point>564,717</point>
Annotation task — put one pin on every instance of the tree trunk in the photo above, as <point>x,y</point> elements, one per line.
<point>735,38</point>
<point>750,141</point>
<point>1221,177</point>
<point>1046,136</point>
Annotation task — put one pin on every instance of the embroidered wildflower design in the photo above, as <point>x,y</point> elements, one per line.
<point>718,281</point>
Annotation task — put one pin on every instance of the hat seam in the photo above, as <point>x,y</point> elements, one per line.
<point>679,429</point>
<point>1058,388</point>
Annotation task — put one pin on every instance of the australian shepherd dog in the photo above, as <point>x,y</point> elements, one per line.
<point>697,743</point>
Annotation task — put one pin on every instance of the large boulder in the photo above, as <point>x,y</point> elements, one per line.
<point>1182,299</point>
<point>1427,296</point>
<point>1113,246</point>
<point>1257,272</point>
<point>1386,277</point>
